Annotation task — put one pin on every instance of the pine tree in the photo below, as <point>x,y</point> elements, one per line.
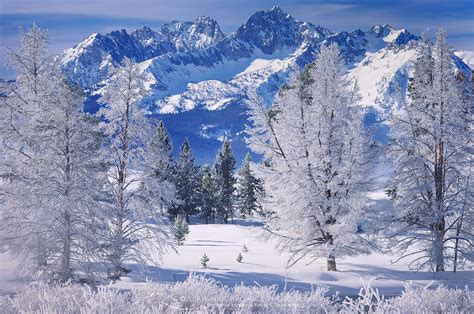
<point>208,194</point>
<point>181,229</point>
<point>204,260</point>
<point>187,181</point>
<point>160,162</point>
<point>163,146</point>
<point>316,162</point>
<point>429,146</point>
<point>249,190</point>
<point>134,220</point>
<point>224,167</point>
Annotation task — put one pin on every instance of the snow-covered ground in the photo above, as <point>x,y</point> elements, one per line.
<point>263,265</point>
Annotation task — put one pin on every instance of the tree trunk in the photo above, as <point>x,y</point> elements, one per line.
<point>438,252</point>
<point>187,216</point>
<point>456,246</point>
<point>331,263</point>
<point>66,250</point>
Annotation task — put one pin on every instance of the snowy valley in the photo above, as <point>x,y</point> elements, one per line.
<point>280,168</point>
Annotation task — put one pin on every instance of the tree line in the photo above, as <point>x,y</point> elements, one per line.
<point>215,193</point>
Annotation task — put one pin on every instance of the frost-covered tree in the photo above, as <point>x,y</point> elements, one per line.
<point>209,193</point>
<point>249,190</point>
<point>431,146</point>
<point>224,168</point>
<point>316,165</point>
<point>136,229</point>
<point>187,181</point>
<point>181,229</point>
<point>51,168</point>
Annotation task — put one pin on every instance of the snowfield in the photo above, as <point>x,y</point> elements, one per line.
<point>263,265</point>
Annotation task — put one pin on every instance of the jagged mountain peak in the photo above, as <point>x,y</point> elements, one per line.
<point>381,30</point>
<point>203,32</point>
<point>273,29</point>
<point>204,77</point>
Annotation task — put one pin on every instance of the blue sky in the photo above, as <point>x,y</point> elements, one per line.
<point>70,21</point>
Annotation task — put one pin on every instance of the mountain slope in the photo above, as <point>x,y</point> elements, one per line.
<point>200,78</point>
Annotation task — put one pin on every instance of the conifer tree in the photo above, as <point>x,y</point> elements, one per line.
<point>187,181</point>
<point>204,260</point>
<point>224,167</point>
<point>249,190</point>
<point>160,162</point>
<point>181,229</point>
<point>209,194</point>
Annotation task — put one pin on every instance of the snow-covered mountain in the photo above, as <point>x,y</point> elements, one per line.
<point>200,77</point>
<point>466,56</point>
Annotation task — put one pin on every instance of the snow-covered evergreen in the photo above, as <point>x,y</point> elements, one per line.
<point>181,229</point>
<point>316,166</point>
<point>209,193</point>
<point>187,181</point>
<point>431,146</point>
<point>159,160</point>
<point>249,190</point>
<point>224,168</point>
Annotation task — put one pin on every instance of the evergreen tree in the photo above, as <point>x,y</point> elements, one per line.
<point>187,181</point>
<point>209,194</point>
<point>181,229</point>
<point>430,143</point>
<point>249,190</point>
<point>204,260</point>
<point>160,162</point>
<point>224,167</point>
<point>163,146</point>
<point>239,258</point>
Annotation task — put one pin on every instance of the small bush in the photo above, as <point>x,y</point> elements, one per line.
<point>204,260</point>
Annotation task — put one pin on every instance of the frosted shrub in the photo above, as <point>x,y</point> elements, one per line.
<point>412,300</point>
<point>439,300</point>
<point>369,300</point>
<point>205,295</point>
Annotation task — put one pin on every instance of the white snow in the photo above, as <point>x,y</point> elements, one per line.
<point>377,70</point>
<point>393,35</point>
<point>73,53</point>
<point>466,56</point>
<point>208,86</point>
<point>263,265</point>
